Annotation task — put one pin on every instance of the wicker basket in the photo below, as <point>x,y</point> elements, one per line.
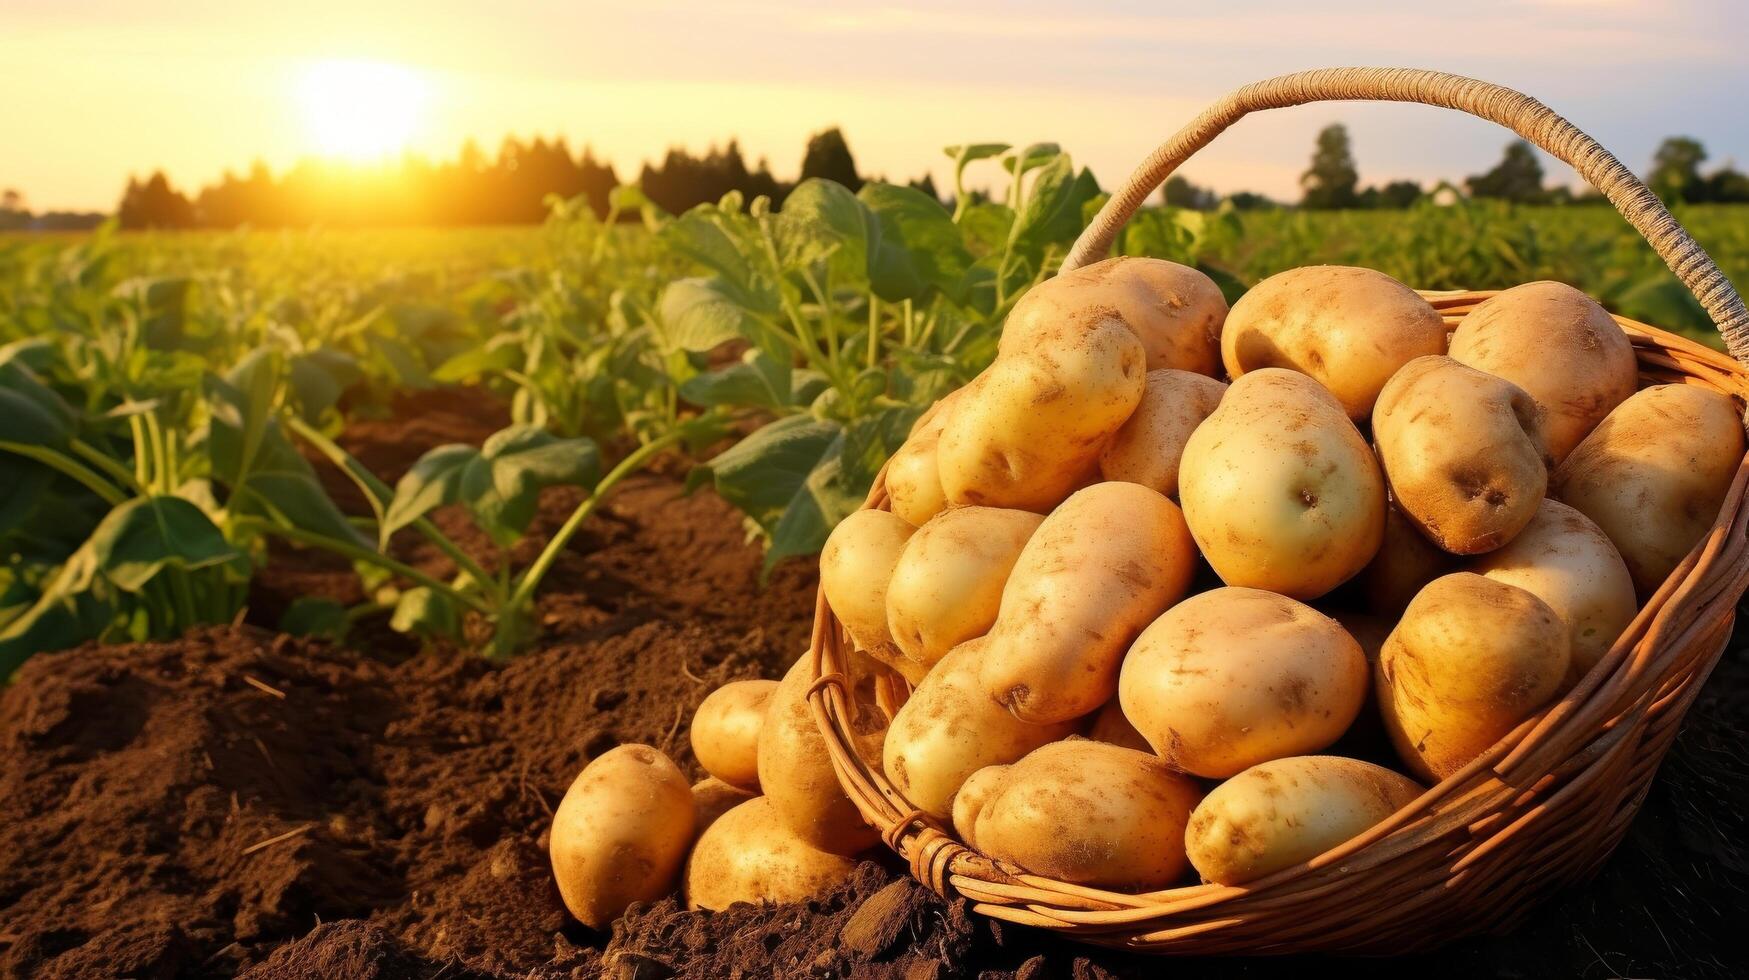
<point>1540,809</point>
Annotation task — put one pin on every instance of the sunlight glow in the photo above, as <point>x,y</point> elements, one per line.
<point>361,110</point>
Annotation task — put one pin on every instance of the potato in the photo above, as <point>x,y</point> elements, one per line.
<point>1405,562</point>
<point>711,798</point>
<point>1025,432</point>
<point>913,473</point>
<point>1148,447</point>
<point>1562,348</point>
<point>1280,490</point>
<point>795,770</point>
<point>1285,812</point>
<point>1089,813</point>
<point>1654,473</point>
<point>1470,660</point>
<point>752,855</point>
<point>1233,677</point>
<point>1463,453</point>
<point>1565,560</point>
<point>1349,328</point>
<point>725,731</point>
<point>1111,727</point>
<point>950,728</point>
<point>1174,310</point>
<point>970,800</point>
<point>948,584</point>
<point>1098,569</point>
<point>856,566</point>
<point>620,833</point>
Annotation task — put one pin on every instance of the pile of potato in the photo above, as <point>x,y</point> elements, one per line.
<point>1170,582</point>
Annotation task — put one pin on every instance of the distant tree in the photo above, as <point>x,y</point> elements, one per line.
<point>13,214</point>
<point>829,156</point>
<point>1251,201</point>
<point>1676,169</point>
<point>154,204</point>
<point>1330,181</point>
<point>1727,185</point>
<point>1179,192</point>
<point>926,184</point>
<point>1518,177</point>
<point>1398,194</point>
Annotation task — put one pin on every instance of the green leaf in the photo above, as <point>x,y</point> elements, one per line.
<point>1032,157</point>
<point>423,612</point>
<point>251,456</point>
<point>919,244</point>
<point>698,314</point>
<point>757,381</point>
<point>822,220</point>
<point>1052,210</point>
<point>318,378</point>
<point>972,152</point>
<point>163,308</point>
<point>147,534</point>
<point>501,352</point>
<point>22,485</point>
<point>787,477</point>
<point>30,412</point>
<point>500,482</point>
<point>310,615</point>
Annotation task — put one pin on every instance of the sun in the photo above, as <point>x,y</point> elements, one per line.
<point>361,110</point>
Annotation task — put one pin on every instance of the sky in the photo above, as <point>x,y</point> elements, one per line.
<point>92,91</point>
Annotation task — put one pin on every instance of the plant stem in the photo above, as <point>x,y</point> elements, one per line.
<point>530,579</point>
<point>116,471</point>
<point>874,329</point>
<point>377,558</point>
<point>142,452</point>
<point>68,466</point>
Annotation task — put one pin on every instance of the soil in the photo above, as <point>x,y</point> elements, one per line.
<point>241,802</point>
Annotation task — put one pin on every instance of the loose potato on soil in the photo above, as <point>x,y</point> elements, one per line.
<point>1233,677</point>
<point>1287,811</point>
<point>950,728</point>
<point>1463,453</point>
<point>751,855</point>
<point>855,567</point>
<point>1098,569</point>
<point>1567,561</point>
<point>1562,348</point>
<point>1174,310</point>
<point>947,586</point>
<point>1148,448</point>
<point>1349,328</point>
<point>1406,561</point>
<point>711,798</point>
<point>1654,473</point>
<point>795,769</point>
<point>1470,660</point>
<point>1028,430</point>
<point>621,833</point>
<point>1279,488</point>
<point>1089,813</point>
<point>725,731</point>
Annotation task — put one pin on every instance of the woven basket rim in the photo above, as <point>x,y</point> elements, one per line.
<point>1466,827</point>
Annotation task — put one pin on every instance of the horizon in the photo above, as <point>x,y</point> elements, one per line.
<point>102,91</point>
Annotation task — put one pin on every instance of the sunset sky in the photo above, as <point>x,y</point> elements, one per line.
<point>93,90</point>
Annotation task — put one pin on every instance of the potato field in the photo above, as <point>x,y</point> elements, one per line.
<point>329,559</point>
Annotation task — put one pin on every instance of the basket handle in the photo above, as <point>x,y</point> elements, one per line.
<point>1514,110</point>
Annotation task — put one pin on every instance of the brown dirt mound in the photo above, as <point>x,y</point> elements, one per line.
<point>239,801</point>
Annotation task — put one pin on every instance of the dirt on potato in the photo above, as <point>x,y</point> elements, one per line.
<point>239,802</point>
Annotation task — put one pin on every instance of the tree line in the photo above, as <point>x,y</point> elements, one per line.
<point>513,186</point>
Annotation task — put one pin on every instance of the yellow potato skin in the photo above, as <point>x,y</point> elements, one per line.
<point>796,774</point>
<point>1233,677</point>
<point>913,476</point>
<point>1405,562</point>
<point>725,731</point>
<point>1147,449</point>
<point>947,586</point>
<point>711,798</point>
<point>1174,310</point>
<point>1089,813</point>
<point>1567,561</point>
<point>1285,812</point>
<point>1279,488</point>
<point>950,728</point>
<point>750,854</point>
<point>621,832</point>
<point>1111,727</point>
<point>1562,348</point>
<point>1470,660</point>
<point>1098,569</point>
<point>970,800</point>
<point>1027,430</point>
<point>1349,328</point>
<point>856,566</point>
<point>1463,453</point>
<point>1654,473</point>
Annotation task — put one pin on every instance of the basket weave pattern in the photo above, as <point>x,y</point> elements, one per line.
<point>1540,809</point>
